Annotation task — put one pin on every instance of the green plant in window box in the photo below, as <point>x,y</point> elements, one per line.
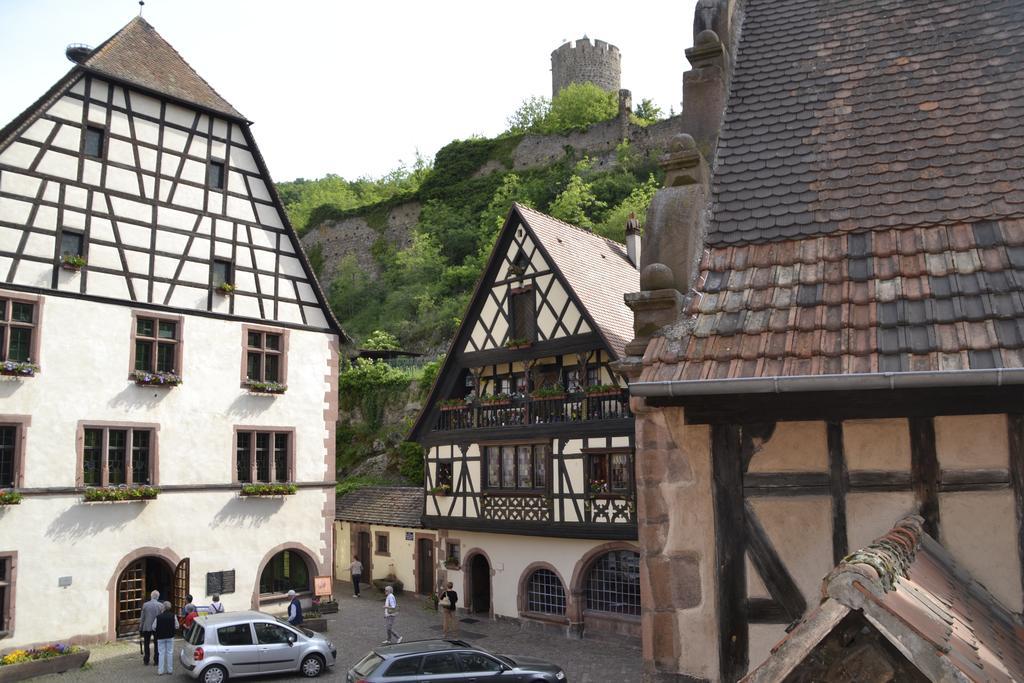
<point>114,494</point>
<point>496,399</point>
<point>15,368</point>
<point>156,379</point>
<point>453,403</point>
<point>72,262</point>
<point>599,486</point>
<point>269,489</point>
<point>451,563</point>
<point>260,387</point>
<point>9,497</point>
<point>549,391</point>
<point>517,343</point>
<point>441,490</point>
<point>601,389</point>
<point>226,288</point>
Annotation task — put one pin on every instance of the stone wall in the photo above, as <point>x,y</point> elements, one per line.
<point>356,236</point>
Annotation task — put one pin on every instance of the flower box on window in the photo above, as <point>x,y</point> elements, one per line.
<point>9,498</point>
<point>226,288</point>
<point>515,343</point>
<point>156,379</point>
<point>119,494</point>
<point>496,400</point>
<point>553,391</point>
<point>441,490</point>
<point>14,368</point>
<point>269,490</point>
<point>453,404</point>
<point>258,387</point>
<point>72,262</point>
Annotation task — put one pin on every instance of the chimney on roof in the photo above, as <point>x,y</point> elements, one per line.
<point>77,52</point>
<point>633,239</point>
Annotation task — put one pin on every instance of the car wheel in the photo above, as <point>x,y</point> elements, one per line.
<point>312,666</point>
<point>215,674</point>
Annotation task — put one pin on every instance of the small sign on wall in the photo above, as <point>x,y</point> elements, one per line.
<point>408,535</point>
<point>63,581</point>
<point>322,586</point>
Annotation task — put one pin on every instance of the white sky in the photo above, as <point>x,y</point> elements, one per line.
<point>353,87</point>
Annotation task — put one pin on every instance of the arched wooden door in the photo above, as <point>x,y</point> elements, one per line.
<point>480,585</point>
<point>138,579</point>
<point>131,593</point>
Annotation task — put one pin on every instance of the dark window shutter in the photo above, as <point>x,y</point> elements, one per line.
<point>228,581</point>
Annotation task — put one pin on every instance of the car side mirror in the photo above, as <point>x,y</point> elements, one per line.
<point>291,640</point>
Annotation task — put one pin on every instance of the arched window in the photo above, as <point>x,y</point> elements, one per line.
<point>545,593</point>
<point>613,584</point>
<point>288,570</point>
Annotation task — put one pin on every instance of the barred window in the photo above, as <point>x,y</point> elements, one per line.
<point>544,593</point>
<point>253,461</point>
<point>105,456</point>
<point>613,584</point>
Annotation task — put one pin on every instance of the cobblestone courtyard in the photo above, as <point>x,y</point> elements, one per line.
<point>358,627</point>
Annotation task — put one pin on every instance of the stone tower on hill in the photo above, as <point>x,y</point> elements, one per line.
<point>583,61</point>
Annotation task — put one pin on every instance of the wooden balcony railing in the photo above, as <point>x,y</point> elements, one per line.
<point>563,408</point>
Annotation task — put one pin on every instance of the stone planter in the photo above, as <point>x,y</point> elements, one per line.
<point>41,667</point>
<point>328,607</point>
<point>318,624</point>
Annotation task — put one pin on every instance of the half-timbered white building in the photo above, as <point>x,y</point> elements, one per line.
<point>529,437</point>
<point>167,356</point>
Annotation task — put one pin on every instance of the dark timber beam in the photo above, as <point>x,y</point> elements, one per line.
<point>730,547</point>
<point>838,483</point>
<point>1015,424</point>
<point>924,469</point>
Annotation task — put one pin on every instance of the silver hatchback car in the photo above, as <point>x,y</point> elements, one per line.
<point>219,646</point>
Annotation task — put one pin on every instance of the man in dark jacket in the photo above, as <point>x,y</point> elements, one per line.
<point>147,625</point>
<point>294,609</point>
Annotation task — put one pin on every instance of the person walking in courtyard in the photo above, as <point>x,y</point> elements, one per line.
<point>294,609</point>
<point>217,607</point>
<point>166,625</point>
<point>390,612</point>
<point>357,575</point>
<point>147,626</point>
<point>447,600</point>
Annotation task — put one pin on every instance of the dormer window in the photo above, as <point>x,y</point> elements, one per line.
<point>94,139</point>
<point>215,175</point>
<point>519,264</point>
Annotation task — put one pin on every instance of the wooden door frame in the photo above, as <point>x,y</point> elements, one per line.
<point>165,554</point>
<point>353,536</point>
<point>416,561</point>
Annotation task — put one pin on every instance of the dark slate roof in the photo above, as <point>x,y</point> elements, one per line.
<point>596,268</point>
<point>387,505</point>
<point>868,209</point>
<point>138,55</point>
<point>863,114</point>
<point>950,627</point>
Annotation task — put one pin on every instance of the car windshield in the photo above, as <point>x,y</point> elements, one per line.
<point>368,665</point>
<point>305,631</point>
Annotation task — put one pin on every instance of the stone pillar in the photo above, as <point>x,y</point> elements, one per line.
<point>677,561</point>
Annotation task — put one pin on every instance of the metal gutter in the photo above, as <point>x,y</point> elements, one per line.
<point>995,377</point>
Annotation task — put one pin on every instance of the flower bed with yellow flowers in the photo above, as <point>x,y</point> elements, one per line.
<point>25,663</point>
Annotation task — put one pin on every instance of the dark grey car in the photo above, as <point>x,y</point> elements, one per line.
<point>449,661</point>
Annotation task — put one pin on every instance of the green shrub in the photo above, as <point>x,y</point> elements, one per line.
<point>410,461</point>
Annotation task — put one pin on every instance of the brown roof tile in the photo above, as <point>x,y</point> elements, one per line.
<point>388,505</point>
<point>138,54</point>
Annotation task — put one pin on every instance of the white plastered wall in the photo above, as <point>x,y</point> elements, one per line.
<point>84,359</point>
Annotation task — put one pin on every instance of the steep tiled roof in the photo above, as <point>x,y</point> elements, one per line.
<point>388,505</point>
<point>596,268</point>
<point>871,113</point>
<point>919,299</point>
<point>950,627</point>
<point>137,54</point>
<point>868,196</point>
